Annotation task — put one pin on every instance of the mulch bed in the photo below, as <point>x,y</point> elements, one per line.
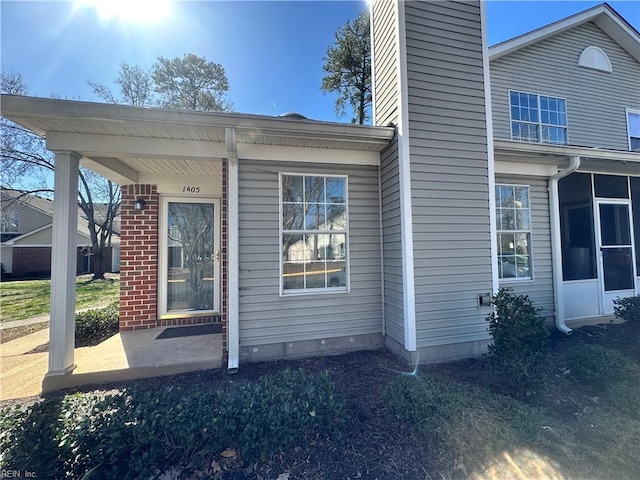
<point>374,445</point>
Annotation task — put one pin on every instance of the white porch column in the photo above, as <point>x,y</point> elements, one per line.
<point>63,264</point>
<point>233,236</point>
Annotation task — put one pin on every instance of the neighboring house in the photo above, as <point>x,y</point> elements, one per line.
<point>566,98</point>
<point>303,237</point>
<point>25,236</point>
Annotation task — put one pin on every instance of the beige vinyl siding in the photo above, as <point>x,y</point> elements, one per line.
<point>540,289</point>
<point>449,171</point>
<point>43,238</point>
<point>392,238</point>
<point>385,46</point>
<point>30,218</point>
<point>267,318</point>
<point>596,101</point>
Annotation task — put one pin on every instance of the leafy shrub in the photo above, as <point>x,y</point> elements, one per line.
<point>134,432</point>
<point>96,325</point>
<point>628,309</point>
<point>463,419</point>
<point>520,342</point>
<point>596,365</point>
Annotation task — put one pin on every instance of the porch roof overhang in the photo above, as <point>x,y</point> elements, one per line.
<point>123,142</point>
<point>592,159</point>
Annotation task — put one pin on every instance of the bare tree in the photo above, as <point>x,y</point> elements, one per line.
<point>136,87</point>
<point>27,166</point>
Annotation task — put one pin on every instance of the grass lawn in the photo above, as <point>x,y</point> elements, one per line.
<point>379,421</point>
<point>30,298</point>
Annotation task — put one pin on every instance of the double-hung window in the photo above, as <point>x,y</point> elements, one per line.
<point>633,129</point>
<point>538,118</point>
<point>513,220</point>
<point>314,233</point>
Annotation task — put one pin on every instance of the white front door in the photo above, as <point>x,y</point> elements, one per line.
<point>190,257</point>
<point>616,265</point>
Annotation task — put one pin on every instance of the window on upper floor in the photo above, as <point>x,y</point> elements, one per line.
<point>10,222</point>
<point>314,233</point>
<point>513,221</point>
<point>633,129</point>
<point>538,118</point>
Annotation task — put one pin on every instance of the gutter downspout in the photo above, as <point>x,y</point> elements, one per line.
<point>556,243</point>
<point>233,265</point>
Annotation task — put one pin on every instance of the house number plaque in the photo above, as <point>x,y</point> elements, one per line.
<point>190,189</point>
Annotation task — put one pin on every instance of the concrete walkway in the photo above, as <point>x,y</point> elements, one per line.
<point>37,319</point>
<point>125,356</point>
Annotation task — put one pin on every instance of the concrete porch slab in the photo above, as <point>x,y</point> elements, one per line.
<point>125,356</point>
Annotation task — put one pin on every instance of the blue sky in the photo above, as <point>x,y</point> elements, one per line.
<point>272,51</point>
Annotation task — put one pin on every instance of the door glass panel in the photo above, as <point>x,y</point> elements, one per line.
<point>618,269</point>
<point>191,256</point>
<point>576,227</point>
<point>617,252</point>
<point>614,224</point>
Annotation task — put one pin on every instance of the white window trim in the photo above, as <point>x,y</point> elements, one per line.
<point>627,112</point>
<point>539,122</point>
<point>531,277</point>
<point>163,258</point>
<point>281,231</point>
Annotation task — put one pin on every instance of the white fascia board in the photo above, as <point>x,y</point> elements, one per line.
<point>608,20</point>
<point>92,145</point>
<point>404,173</point>
<point>28,110</point>
<point>306,155</point>
<point>565,151</point>
<point>523,168</point>
<point>491,166</point>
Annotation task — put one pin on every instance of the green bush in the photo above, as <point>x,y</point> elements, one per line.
<point>133,433</point>
<point>628,309</point>
<point>596,365</point>
<point>520,343</point>
<point>96,325</point>
<point>463,419</point>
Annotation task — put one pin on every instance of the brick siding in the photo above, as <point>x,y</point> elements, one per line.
<point>139,258</point>
<point>31,260</point>
<point>139,254</point>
